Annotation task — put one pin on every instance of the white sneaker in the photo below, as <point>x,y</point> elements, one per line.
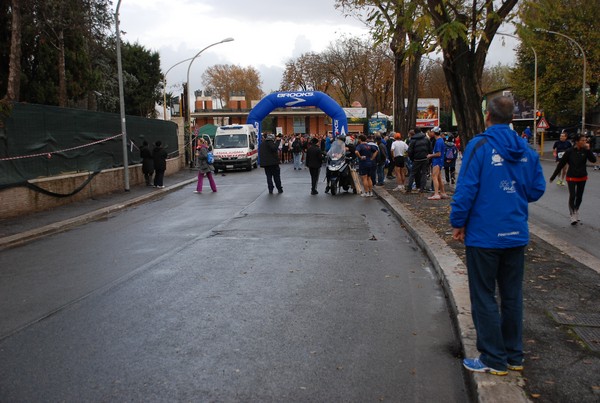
<point>573,219</point>
<point>397,188</point>
<point>370,194</point>
<point>364,194</point>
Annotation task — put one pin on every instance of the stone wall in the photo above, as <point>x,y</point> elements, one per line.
<point>20,201</point>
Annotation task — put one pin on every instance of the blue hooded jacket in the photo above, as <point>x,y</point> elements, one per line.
<point>500,175</point>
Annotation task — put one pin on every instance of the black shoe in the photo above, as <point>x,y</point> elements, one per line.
<point>279,190</point>
<point>314,192</point>
<point>326,189</point>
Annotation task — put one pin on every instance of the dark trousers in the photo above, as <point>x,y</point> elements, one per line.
<point>314,177</point>
<point>390,171</point>
<point>148,178</point>
<point>418,175</point>
<point>273,175</point>
<point>159,175</point>
<point>575,195</point>
<point>380,174</point>
<point>499,324</point>
<point>450,170</point>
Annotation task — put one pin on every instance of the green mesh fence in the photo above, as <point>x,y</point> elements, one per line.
<point>40,141</point>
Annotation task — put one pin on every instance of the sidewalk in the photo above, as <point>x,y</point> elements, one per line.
<point>19,230</point>
<point>448,265</point>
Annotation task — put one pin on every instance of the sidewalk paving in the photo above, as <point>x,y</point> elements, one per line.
<point>449,267</point>
<point>18,230</point>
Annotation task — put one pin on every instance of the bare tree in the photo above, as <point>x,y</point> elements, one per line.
<point>222,79</point>
<point>305,73</point>
<point>403,26</point>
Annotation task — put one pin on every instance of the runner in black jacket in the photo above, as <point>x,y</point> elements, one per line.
<point>577,158</point>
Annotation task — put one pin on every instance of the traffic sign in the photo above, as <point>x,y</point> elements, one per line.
<point>543,124</point>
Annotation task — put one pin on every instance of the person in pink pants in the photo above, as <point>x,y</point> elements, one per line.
<point>204,167</point>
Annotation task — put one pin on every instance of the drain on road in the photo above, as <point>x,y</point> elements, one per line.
<point>590,335</point>
<point>577,318</point>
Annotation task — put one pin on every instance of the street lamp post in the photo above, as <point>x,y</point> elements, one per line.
<point>122,101</point>
<point>165,85</point>
<point>584,72</point>
<point>189,122</point>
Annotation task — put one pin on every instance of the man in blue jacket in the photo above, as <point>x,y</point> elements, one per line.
<point>500,175</point>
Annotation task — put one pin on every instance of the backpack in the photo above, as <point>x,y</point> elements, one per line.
<point>210,158</point>
<point>450,153</point>
<point>296,146</point>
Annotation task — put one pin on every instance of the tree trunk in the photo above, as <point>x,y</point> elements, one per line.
<point>62,71</point>
<point>465,92</point>
<point>14,65</point>
<point>464,58</point>
<point>398,92</point>
<point>397,46</point>
<point>413,93</point>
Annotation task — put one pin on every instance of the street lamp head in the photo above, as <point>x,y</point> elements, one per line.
<point>227,40</point>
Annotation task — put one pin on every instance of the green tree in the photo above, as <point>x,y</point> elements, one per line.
<point>65,46</point>
<point>142,80</point>
<point>560,63</point>
<point>464,31</point>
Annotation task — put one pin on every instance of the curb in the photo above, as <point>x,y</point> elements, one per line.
<point>61,226</point>
<point>452,272</point>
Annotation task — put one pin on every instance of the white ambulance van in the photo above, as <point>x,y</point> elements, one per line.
<point>235,147</point>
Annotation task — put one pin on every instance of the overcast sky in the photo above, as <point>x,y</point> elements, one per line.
<point>267,33</point>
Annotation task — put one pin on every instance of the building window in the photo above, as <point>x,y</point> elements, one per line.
<point>299,124</point>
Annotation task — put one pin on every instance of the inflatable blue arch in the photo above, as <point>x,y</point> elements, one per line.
<point>299,99</point>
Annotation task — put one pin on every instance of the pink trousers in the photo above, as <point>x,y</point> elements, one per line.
<point>213,185</point>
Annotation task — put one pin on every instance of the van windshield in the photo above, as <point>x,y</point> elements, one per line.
<point>231,141</point>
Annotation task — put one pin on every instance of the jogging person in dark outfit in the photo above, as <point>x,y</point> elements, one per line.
<point>577,158</point>
<point>558,149</point>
